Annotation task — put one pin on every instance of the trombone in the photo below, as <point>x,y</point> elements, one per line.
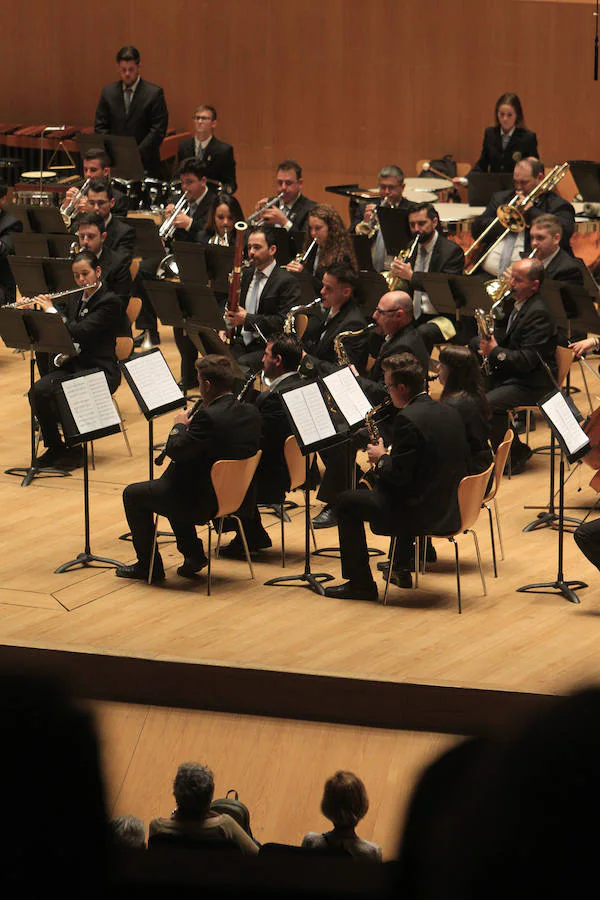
<point>509,214</point>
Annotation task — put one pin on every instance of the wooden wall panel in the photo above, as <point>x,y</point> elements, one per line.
<point>344,86</point>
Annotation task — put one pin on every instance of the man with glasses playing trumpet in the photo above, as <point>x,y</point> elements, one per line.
<point>391,194</point>
<point>93,316</point>
<point>291,209</point>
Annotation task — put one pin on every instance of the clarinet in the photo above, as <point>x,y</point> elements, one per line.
<point>163,453</point>
<point>247,384</point>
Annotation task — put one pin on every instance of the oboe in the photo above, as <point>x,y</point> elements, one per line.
<point>163,453</point>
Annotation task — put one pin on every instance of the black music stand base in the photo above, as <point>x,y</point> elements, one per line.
<point>311,580</point>
<point>566,588</point>
<point>549,519</point>
<point>87,558</point>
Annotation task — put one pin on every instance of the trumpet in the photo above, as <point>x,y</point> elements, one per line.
<point>25,301</point>
<point>69,210</point>
<point>167,229</point>
<point>255,217</point>
<point>289,325</point>
<point>369,229</point>
<point>338,343</point>
<point>394,282</point>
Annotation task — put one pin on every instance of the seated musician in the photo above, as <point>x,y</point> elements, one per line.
<point>115,271</point>
<point>516,353</point>
<point>93,318</point>
<point>507,141</point>
<point>8,226</point>
<point>216,155</point>
<point>416,483</point>
<point>120,236</point>
<point>222,428</point>
<point>527,174</point>
<point>434,253</point>
<point>291,211</point>
<point>545,236</point>
<point>391,194</point>
<point>280,366</point>
<point>267,292</point>
<point>224,212</point>
<point>326,242</point>
<point>96,164</point>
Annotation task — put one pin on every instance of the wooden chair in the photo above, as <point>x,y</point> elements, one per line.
<point>230,479</point>
<point>564,358</point>
<point>471,492</point>
<point>133,309</point>
<point>300,324</point>
<point>491,496</point>
<point>296,465</point>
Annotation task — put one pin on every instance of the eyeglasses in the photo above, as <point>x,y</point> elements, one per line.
<point>385,312</point>
<point>203,118</point>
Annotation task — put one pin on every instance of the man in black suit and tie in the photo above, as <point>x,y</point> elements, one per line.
<point>391,194</point>
<point>136,108</point>
<point>216,155</point>
<point>516,353</point>
<point>115,271</point>
<point>545,236</point>
<point>416,489</point>
<point>291,211</point>
<point>267,292</point>
<point>221,428</point>
<point>527,174</point>
<point>96,164</point>
<point>120,237</point>
<point>280,366</point>
<point>8,226</point>
<point>434,253</point>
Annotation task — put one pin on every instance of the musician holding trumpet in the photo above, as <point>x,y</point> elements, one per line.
<point>292,207</point>
<point>92,315</point>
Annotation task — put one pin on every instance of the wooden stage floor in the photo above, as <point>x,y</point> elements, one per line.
<point>506,641</point>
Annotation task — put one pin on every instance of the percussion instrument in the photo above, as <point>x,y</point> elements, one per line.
<point>28,191</point>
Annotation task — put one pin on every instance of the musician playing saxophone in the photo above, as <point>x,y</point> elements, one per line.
<point>434,253</point>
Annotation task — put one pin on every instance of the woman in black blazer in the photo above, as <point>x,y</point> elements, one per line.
<point>459,374</point>
<point>521,143</point>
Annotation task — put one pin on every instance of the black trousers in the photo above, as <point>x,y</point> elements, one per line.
<point>506,397</point>
<point>360,506</point>
<point>144,498</point>
<point>587,538</point>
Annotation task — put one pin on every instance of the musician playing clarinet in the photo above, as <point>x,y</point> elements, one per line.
<point>221,428</point>
<point>93,318</point>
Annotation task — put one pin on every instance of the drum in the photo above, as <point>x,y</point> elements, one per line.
<point>419,196</point>
<point>48,177</point>
<point>154,194</point>
<point>456,218</point>
<point>131,189</point>
<point>33,196</point>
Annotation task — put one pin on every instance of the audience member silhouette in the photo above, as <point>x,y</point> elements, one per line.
<point>344,803</point>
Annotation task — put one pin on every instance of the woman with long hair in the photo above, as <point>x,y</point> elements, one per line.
<point>222,216</point>
<point>332,243</point>
<point>459,374</point>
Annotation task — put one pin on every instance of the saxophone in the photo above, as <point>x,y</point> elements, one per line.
<point>485,330</point>
<point>369,478</point>
<point>394,282</point>
<point>289,325</point>
<point>338,343</point>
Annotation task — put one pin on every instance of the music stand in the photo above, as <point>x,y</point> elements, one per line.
<point>219,262</point>
<point>394,228</point>
<point>483,185</point>
<point>88,413</point>
<point>574,444</point>
<point>371,288</point>
<point>44,332</point>
<point>207,341</point>
<point>27,243</point>
<point>191,261</point>
<point>286,246</point>
<point>59,273</point>
<point>469,294</point>
<point>147,243</point>
<point>29,275</point>
<point>46,220</point>
<point>362,251</point>
<point>306,285</point>
<point>123,151</point>
<point>164,297</point>
<point>439,290</point>
<point>586,175</point>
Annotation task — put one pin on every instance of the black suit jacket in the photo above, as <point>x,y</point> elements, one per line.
<point>146,121</point>
<point>522,143</point>
<point>120,237</point>
<point>564,267</point>
<point>406,340</point>
<point>194,233</point>
<point>95,326</point>
<point>121,207</point>
<point>360,211</point>
<point>279,294</point>
<point>321,352</point>
<point>225,429</point>
<point>516,359</point>
<point>8,226</point>
<point>218,158</point>
<point>446,257</point>
<point>298,216</point>
<point>272,475</point>
<point>429,457</point>
<point>546,203</point>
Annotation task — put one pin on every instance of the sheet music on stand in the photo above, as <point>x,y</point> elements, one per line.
<point>87,410</point>
<point>325,410</point>
<point>572,439</point>
<point>152,383</point>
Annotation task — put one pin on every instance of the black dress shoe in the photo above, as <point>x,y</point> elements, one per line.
<point>140,572</point>
<point>192,565</point>
<point>518,463</point>
<point>235,548</point>
<point>327,518</point>
<point>71,458</point>
<point>401,578</point>
<point>353,590</point>
<point>50,458</point>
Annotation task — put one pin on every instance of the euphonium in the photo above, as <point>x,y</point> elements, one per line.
<point>338,343</point>
<point>394,282</point>
<point>289,326</point>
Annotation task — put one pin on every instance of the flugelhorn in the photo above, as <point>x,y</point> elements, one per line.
<point>69,210</point>
<point>255,217</point>
<point>498,289</point>
<point>394,282</point>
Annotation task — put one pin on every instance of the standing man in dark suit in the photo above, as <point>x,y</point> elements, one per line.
<point>291,212</point>
<point>280,366</point>
<point>416,489</point>
<point>527,174</point>
<point>136,108</point>
<point>516,353</point>
<point>120,237</point>
<point>267,292</point>
<point>216,155</point>
<point>8,226</point>
<point>435,253</point>
<point>221,429</point>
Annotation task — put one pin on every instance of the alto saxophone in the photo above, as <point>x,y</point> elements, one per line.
<point>369,478</point>
<point>289,325</point>
<point>338,343</point>
<point>485,330</point>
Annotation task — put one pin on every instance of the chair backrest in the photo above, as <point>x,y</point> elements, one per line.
<point>471,492</point>
<point>564,358</point>
<point>231,479</point>
<point>123,347</point>
<point>133,308</point>
<point>500,464</point>
<point>300,323</point>
<point>295,462</point>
